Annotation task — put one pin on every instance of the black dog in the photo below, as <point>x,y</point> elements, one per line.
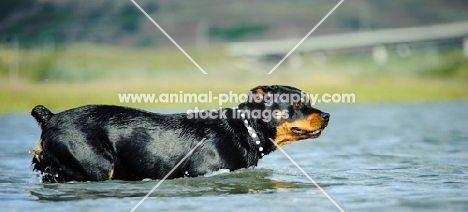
<point>103,142</point>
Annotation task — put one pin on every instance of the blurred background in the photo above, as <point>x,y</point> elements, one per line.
<point>68,53</point>
<point>400,147</point>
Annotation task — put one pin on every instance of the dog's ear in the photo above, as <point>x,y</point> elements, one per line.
<point>256,95</point>
<point>259,92</point>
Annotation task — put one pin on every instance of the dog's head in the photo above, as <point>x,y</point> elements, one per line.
<point>286,112</point>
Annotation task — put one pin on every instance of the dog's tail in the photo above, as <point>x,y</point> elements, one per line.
<point>41,114</point>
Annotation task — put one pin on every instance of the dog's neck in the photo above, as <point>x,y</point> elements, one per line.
<point>259,140</point>
<point>253,135</point>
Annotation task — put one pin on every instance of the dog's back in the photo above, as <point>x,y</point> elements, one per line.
<point>103,142</point>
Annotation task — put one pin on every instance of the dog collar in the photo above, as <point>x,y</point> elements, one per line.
<point>252,132</point>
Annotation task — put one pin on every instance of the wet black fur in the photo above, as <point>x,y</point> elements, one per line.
<point>86,143</point>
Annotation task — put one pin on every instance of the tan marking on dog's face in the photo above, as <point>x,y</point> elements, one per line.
<point>37,150</point>
<point>258,94</point>
<point>259,91</point>
<point>285,135</point>
<point>279,115</point>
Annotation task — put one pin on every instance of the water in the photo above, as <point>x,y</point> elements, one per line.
<point>375,157</point>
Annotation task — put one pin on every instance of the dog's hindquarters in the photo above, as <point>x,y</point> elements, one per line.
<point>42,116</point>
<point>62,153</point>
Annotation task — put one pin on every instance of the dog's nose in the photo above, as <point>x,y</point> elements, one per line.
<point>325,117</point>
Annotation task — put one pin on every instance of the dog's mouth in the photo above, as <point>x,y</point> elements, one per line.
<point>309,133</point>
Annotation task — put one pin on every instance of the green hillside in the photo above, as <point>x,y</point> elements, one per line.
<point>120,22</point>
<point>68,53</point>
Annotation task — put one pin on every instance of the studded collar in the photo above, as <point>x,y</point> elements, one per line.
<point>252,133</point>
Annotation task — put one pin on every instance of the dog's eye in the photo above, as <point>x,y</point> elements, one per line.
<point>297,105</point>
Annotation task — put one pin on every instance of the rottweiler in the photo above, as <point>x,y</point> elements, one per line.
<point>106,142</point>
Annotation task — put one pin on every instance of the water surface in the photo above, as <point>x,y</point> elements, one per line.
<point>375,157</point>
